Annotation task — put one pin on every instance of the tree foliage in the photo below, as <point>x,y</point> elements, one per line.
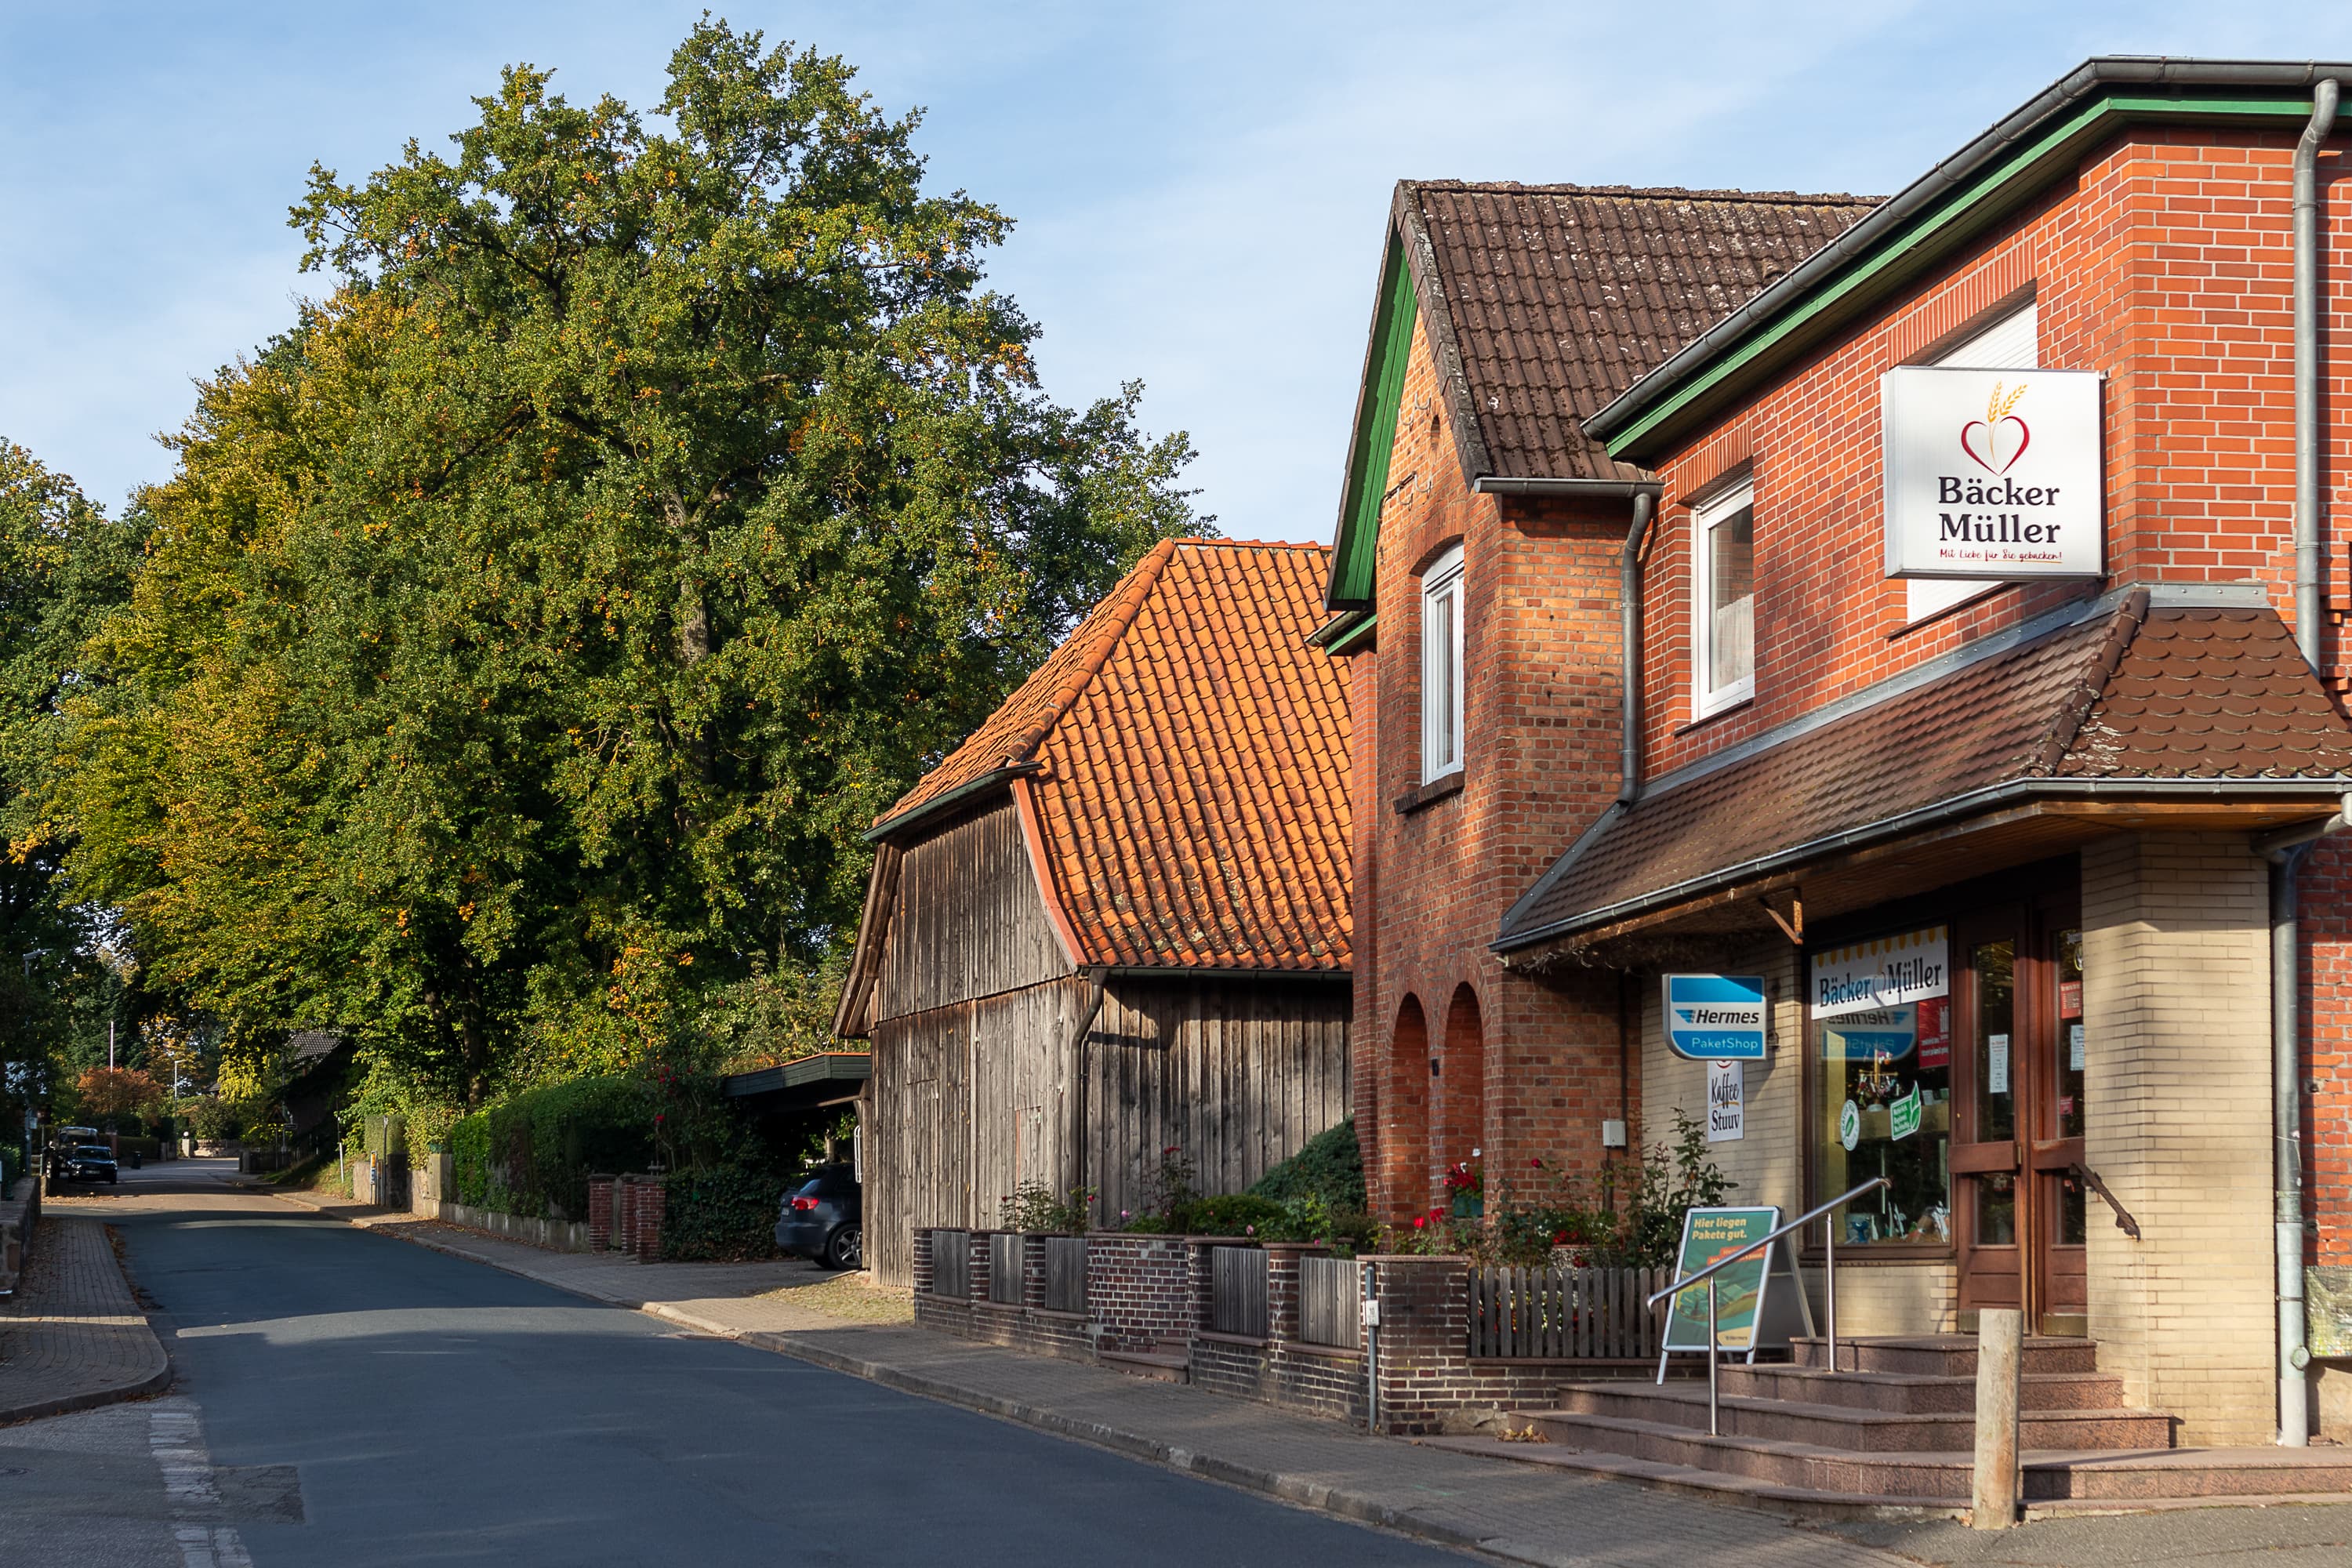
<point>529,633</point>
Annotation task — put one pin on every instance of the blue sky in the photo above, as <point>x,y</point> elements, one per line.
<point>1199,189</point>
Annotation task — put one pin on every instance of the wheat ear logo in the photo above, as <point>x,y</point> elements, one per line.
<point>1986,433</point>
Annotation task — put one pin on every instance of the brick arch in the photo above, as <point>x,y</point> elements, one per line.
<point>1404,1126</point>
<point>1460,1124</point>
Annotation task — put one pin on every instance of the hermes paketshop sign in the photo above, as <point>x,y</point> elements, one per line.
<point>1991,473</point>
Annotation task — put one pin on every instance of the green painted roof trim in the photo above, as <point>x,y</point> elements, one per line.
<point>1945,222</point>
<point>1346,634</point>
<point>1355,555</point>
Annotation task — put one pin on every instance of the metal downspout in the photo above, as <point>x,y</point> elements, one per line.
<point>1629,609</point>
<point>2286,1141</point>
<point>2307,562</point>
<point>2286,969</point>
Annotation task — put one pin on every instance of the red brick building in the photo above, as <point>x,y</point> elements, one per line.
<point>1477,516</point>
<point>2007,856</point>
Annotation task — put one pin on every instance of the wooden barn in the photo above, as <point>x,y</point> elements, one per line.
<point>1116,920</point>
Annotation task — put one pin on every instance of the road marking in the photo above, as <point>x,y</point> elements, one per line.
<point>175,1436</point>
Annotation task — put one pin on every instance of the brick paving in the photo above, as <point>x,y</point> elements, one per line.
<point>72,1336</point>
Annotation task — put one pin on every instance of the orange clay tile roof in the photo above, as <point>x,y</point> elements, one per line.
<point>1193,802</point>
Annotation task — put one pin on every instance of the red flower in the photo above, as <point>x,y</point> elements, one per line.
<point>1559,1238</point>
<point>1420,1220</point>
<point>1535,1163</point>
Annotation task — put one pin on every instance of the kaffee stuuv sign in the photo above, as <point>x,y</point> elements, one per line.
<point>1991,473</point>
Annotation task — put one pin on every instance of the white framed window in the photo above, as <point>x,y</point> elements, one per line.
<point>1441,667</point>
<point>1723,601</point>
<point>2013,342</point>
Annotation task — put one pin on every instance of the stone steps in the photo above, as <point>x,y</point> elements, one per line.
<point>1945,1355</point>
<point>1920,1393</point>
<point>1845,1427</point>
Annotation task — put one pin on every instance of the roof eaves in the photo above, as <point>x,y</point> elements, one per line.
<point>1992,797</point>
<point>1946,191</point>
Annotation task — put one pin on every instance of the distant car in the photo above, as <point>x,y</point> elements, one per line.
<point>821,1218</point>
<point>89,1162</point>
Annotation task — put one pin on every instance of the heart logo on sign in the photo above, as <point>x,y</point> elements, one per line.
<point>1986,433</point>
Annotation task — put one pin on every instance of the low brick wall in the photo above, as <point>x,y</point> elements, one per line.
<point>1147,1292</point>
<point>20,1211</point>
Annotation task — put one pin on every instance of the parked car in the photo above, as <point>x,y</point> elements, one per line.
<point>822,1219</point>
<point>89,1162</point>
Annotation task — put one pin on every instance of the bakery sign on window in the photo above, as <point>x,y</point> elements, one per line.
<point>1886,998</point>
<point>1991,473</point>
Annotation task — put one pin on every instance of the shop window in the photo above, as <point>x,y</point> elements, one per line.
<point>1441,667</point>
<point>1882,1043</point>
<point>1723,582</point>
<point>2011,342</point>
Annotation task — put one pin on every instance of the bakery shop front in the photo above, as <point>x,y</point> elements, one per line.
<point>1984,710</point>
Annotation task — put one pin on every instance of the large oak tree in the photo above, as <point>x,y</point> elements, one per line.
<point>528,634</point>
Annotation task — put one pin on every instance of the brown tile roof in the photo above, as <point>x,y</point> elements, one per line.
<point>2129,693</point>
<point>1192,799</point>
<point>1557,298</point>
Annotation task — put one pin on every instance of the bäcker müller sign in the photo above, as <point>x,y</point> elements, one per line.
<point>1991,473</point>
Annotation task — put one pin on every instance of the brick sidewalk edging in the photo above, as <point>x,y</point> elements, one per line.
<point>75,1335</point>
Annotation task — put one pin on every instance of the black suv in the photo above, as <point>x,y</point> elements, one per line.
<point>821,1219</point>
<point>87,1163</point>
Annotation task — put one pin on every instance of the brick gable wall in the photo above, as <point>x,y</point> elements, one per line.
<point>1540,1069</point>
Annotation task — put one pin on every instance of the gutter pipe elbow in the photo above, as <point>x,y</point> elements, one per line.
<point>1629,609</point>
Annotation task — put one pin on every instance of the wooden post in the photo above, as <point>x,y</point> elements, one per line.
<point>2001,1355</point>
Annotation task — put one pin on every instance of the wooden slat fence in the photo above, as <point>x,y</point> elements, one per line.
<point>1066,1273</point>
<point>1330,1305</point>
<point>952,1264</point>
<point>1004,1269</point>
<point>1570,1314</point>
<point>1237,1290</point>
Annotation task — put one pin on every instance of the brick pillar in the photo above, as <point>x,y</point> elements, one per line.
<point>1032,1272</point>
<point>1200,1304</point>
<point>624,1215</point>
<point>979,1274</point>
<point>922,1271</point>
<point>1282,1287</point>
<point>650,1195</point>
<point>1425,1340</point>
<point>600,1212</point>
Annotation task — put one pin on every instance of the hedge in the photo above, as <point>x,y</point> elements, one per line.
<point>531,1156</point>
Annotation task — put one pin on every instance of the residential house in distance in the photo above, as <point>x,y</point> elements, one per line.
<point>1116,920</point>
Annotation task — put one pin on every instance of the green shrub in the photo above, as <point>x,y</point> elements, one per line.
<point>1033,1208</point>
<point>531,1156</point>
<point>729,1212</point>
<point>1232,1213</point>
<point>1329,1166</point>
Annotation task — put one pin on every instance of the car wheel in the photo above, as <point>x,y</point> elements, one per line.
<point>845,1250</point>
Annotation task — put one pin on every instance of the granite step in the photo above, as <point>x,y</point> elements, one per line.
<point>1848,1429</point>
<point>1917,1393</point>
<point>1944,1356</point>
<point>2056,1484</point>
<point>1164,1364</point>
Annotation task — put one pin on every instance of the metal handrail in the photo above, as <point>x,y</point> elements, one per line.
<point>1714,1417</point>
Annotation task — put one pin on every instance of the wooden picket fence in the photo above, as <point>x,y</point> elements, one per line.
<point>1066,1273</point>
<point>1330,1301</point>
<point>1237,1280</point>
<point>952,1264</point>
<point>1566,1314</point>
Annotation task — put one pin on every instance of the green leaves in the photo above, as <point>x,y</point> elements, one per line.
<point>528,635</point>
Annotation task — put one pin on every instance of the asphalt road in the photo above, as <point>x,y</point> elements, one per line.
<point>347,1398</point>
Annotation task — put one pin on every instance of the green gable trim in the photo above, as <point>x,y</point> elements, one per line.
<point>1348,636</point>
<point>1355,554</point>
<point>1951,220</point>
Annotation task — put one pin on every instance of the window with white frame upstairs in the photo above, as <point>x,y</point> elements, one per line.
<point>2010,343</point>
<point>1723,601</point>
<point>1441,667</point>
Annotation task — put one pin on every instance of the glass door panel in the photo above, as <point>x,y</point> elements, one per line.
<point>1992,967</point>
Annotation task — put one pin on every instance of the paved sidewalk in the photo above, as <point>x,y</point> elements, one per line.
<point>72,1337</point>
<point>1510,1510</point>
